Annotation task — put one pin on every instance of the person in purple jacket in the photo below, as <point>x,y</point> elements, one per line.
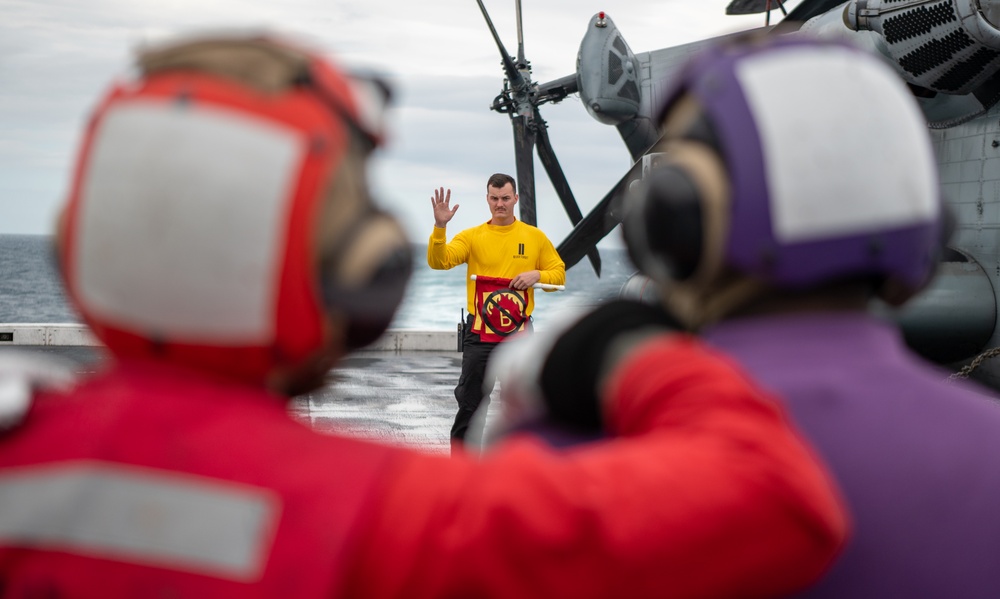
<point>799,182</point>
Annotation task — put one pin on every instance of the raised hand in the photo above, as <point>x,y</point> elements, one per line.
<point>442,212</point>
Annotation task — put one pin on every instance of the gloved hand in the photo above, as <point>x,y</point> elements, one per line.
<point>554,377</point>
<point>22,373</point>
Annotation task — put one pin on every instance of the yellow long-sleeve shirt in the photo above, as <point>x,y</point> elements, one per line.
<point>495,251</point>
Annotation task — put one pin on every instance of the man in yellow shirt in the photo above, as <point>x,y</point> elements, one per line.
<point>502,248</point>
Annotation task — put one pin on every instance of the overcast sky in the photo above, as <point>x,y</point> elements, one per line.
<point>56,56</point>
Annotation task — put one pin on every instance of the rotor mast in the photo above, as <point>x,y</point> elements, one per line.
<point>519,100</point>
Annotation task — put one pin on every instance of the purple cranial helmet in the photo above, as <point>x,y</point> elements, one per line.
<point>830,170</point>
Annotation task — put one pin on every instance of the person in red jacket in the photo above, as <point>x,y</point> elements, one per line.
<point>220,240</point>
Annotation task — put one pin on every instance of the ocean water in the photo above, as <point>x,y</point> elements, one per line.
<point>30,290</point>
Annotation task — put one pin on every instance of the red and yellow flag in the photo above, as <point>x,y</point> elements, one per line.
<point>500,310</point>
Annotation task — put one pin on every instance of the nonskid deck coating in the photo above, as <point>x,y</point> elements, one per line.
<point>401,398</point>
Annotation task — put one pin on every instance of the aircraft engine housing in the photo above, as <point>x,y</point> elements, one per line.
<point>948,46</point>
<point>607,73</point>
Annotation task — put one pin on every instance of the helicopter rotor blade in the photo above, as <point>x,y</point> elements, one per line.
<point>524,162</point>
<point>605,216</point>
<point>753,7</point>
<point>548,157</point>
<point>808,9</point>
<point>520,35</point>
<point>510,69</point>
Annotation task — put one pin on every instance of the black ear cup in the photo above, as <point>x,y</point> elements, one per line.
<point>663,224</point>
<point>365,277</point>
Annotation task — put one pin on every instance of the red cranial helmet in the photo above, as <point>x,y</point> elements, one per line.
<point>219,216</point>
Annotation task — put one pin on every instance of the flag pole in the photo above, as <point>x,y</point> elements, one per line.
<point>542,286</point>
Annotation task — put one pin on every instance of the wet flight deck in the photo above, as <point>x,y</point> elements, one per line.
<point>402,397</point>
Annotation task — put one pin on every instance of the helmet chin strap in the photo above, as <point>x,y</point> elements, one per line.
<point>737,295</point>
<point>697,306</point>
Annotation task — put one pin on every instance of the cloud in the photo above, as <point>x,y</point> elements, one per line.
<point>56,57</point>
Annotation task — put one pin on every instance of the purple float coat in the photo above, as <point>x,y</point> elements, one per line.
<point>917,457</point>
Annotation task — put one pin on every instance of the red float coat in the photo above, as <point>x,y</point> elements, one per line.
<point>151,481</point>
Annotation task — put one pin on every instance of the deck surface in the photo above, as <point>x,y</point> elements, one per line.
<point>402,398</point>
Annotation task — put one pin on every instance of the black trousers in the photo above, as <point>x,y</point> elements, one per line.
<point>470,392</point>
